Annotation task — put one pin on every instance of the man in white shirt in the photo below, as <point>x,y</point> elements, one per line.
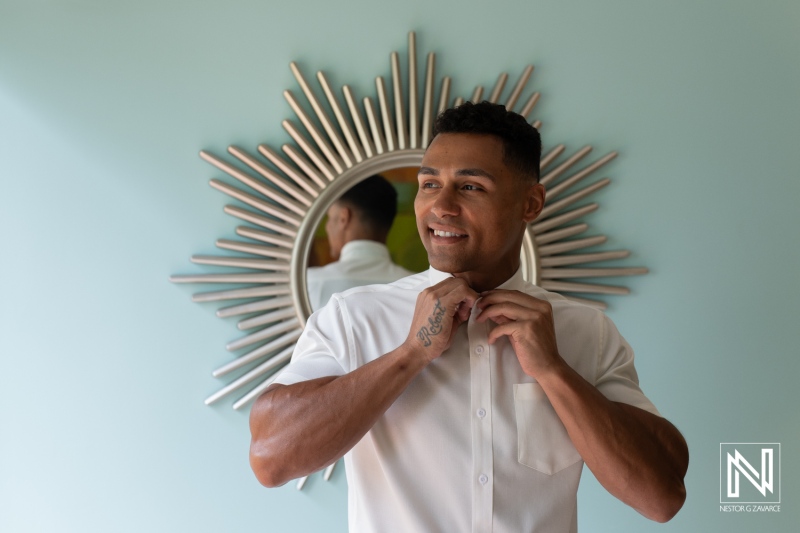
<point>464,398</point>
<point>357,227</point>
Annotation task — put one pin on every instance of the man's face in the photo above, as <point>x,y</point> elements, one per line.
<point>334,228</point>
<point>471,209</point>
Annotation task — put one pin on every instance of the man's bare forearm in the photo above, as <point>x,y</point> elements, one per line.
<point>638,457</point>
<point>298,429</point>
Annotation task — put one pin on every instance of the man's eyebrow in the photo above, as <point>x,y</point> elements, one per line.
<point>478,172</point>
<point>428,171</point>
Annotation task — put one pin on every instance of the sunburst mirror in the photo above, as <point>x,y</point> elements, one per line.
<point>289,190</point>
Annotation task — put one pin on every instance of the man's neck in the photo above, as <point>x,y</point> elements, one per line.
<point>358,247</point>
<point>486,281</point>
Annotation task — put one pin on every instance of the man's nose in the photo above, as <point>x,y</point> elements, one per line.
<point>446,203</point>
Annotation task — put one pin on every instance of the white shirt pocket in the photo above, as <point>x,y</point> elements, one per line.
<point>542,440</point>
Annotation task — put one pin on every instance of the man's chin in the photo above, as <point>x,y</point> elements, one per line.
<point>451,265</point>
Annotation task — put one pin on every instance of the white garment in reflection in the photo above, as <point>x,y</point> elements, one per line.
<point>360,263</point>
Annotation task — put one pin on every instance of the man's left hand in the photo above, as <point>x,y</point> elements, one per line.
<point>528,324</point>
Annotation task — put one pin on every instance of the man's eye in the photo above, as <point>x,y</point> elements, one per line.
<point>427,185</point>
<point>472,187</point>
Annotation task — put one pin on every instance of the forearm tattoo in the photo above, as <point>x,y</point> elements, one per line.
<point>434,326</point>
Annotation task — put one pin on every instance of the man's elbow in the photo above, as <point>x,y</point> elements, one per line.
<point>675,493</point>
<point>266,468</point>
<point>669,505</point>
<point>265,459</point>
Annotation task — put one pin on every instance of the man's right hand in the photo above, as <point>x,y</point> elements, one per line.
<point>298,429</point>
<point>440,310</point>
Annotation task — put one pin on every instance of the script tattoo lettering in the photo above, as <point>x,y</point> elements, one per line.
<point>434,326</point>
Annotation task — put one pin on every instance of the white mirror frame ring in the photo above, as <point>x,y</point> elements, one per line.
<point>292,196</point>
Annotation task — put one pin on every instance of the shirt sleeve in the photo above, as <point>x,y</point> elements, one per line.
<point>323,347</point>
<point>616,375</point>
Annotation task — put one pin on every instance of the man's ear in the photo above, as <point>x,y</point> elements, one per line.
<point>534,202</point>
<point>346,216</point>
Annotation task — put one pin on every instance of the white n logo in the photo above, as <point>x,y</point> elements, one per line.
<point>741,465</point>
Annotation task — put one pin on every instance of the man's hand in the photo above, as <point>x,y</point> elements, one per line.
<point>298,429</point>
<point>638,457</point>
<point>440,310</point>
<point>528,324</point>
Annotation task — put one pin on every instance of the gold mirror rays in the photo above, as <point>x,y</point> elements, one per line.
<point>283,195</point>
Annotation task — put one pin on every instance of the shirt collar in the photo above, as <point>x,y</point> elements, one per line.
<point>515,282</point>
<point>363,249</point>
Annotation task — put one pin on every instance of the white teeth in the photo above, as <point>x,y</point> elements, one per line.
<point>440,233</point>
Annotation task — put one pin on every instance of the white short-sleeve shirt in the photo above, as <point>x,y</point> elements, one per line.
<point>361,262</point>
<point>472,444</point>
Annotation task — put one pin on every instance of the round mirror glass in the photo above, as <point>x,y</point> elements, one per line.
<point>374,257</point>
<point>404,245</point>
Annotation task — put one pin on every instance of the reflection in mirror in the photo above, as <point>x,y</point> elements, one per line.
<point>369,235</point>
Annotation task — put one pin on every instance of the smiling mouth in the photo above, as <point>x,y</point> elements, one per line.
<point>440,233</point>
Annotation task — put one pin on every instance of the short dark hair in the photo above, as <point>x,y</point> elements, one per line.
<point>522,145</point>
<point>375,199</point>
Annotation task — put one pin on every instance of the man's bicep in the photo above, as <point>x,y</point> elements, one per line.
<point>646,417</point>
<point>663,430</point>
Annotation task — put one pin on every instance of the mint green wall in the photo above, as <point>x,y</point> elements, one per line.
<point>104,106</point>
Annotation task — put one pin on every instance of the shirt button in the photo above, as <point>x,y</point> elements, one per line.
<point>481,412</point>
<point>483,479</point>
<point>479,349</point>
